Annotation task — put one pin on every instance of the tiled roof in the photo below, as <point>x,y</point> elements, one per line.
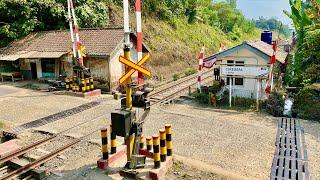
<point>96,41</point>
<point>264,48</point>
<point>267,49</point>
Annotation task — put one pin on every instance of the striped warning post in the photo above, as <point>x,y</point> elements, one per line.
<point>71,29</point>
<point>104,138</point>
<point>156,151</point>
<point>76,32</point>
<point>201,57</point>
<point>269,85</point>
<point>163,149</point>
<point>149,143</point>
<point>139,38</point>
<point>91,83</point>
<point>67,83</point>
<point>87,85</point>
<point>141,142</point>
<point>113,141</point>
<point>169,139</point>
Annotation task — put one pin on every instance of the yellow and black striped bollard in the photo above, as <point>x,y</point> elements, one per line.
<point>83,86</point>
<point>141,143</point>
<point>163,149</point>
<point>149,143</point>
<point>169,139</point>
<point>91,84</point>
<point>113,141</point>
<point>74,88</point>
<point>77,88</point>
<point>104,138</point>
<point>156,152</point>
<point>87,84</point>
<point>67,84</point>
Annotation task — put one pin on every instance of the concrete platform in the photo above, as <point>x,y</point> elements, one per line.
<point>8,146</point>
<point>117,162</point>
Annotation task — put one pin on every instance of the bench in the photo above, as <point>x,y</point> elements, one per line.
<point>13,75</point>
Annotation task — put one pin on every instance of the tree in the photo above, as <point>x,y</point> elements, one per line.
<point>20,17</point>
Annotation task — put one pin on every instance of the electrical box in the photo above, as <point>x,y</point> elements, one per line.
<point>122,122</point>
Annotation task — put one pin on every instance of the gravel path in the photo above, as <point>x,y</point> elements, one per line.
<point>242,143</point>
<point>238,142</point>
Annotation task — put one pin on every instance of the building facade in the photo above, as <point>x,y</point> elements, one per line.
<point>46,55</point>
<point>244,68</point>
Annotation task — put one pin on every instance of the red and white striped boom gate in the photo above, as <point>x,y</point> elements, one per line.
<point>139,39</point>
<point>269,85</point>
<point>200,66</point>
<point>76,44</point>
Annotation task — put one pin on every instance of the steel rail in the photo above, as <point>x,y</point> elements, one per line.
<point>44,159</point>
<point>175,93</point>
<point>30,147</point>
<point>188,78</point>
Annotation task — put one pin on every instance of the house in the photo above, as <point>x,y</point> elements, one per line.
<point>42,55</point>
<point>246,67</point>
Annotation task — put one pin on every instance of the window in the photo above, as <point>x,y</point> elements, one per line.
<point>238,81</point>
<point>230,63</point>
<point>239,63</point>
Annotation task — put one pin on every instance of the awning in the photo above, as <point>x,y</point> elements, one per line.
<point>31,55</point>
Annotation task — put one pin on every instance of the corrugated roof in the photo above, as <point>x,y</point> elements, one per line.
<point>50,44</point>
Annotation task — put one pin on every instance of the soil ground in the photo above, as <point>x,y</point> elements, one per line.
<point>223,143</point>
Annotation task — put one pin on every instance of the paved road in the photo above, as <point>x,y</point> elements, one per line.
<point>6,90</point>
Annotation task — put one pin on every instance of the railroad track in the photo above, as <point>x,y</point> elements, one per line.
<point>12,133</point>
<point>173,89</point>
<point>36,163</point>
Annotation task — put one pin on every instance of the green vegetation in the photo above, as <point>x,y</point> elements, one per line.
<point>273,24</point>
<point>175,30</point>
<point>20,17</point>
<point>304,69</point>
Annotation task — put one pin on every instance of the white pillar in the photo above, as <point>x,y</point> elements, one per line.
<point>258,95</point>
<point>230,89</point>
<point>39,68</point>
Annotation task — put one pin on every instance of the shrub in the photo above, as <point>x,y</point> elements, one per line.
<point>175,76</point>
<point>190,71</point>
<point>307,103</point>
<point>202,98</point>
<point>216,87</point>
<point>275,104</point>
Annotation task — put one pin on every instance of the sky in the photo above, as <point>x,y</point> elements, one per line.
<point>267,8</point>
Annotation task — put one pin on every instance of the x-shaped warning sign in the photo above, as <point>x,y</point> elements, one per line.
<point>134,67</point>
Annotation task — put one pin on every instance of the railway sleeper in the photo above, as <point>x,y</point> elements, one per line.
<point>36,173</point>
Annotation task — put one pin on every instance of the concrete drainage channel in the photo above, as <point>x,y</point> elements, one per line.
<point>290,159</point>
<point>12,133</point>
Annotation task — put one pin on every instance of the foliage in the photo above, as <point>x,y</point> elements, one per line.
<point>190,71</point>
<point>216,87</point>
<point>307,103</point>
<point>275,104</point>
<point>20,17</point>
<point>223,15</point>
<point>175,76</point>
<point>273,24</point>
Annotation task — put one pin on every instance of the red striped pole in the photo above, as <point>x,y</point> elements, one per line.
<point>201,57</point>
<point>139,38</point>
<point>71,29</point>
<point>269,86</point>
<point>76,31</point>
